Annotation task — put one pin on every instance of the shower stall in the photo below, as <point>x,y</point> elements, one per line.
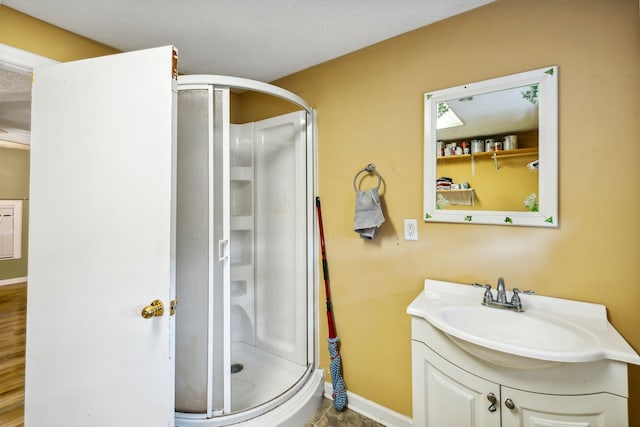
<point>245,259</point>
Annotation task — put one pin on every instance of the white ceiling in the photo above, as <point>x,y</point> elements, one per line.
<point>256,39</point>
<point>491,113</point>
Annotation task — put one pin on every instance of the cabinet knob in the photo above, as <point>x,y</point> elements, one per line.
<point>492,398</point>
<point>509,404</point>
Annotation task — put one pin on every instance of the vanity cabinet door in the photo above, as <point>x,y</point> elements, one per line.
<point>445,395</point>
<point>544,410</point>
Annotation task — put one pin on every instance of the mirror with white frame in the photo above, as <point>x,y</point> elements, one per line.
<point>491,151</point>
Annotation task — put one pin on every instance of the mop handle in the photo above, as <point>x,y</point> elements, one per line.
<point>325,270</point>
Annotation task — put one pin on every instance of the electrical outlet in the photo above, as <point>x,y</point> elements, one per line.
<point>410,229</point>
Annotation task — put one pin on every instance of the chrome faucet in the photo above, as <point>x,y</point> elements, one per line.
<point>501,293</point>
<point>501,297</point>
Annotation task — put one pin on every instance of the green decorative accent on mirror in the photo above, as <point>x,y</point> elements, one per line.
<point>427,216</point>
<point>531,95</point>
<point>549,220</point>
<point>429,96</point>
<point>441,202</point>
<point>549,71</point>
<point>443,107</point>
<point>508,220</point>
<point>531,202</point>
<point>468,218</point>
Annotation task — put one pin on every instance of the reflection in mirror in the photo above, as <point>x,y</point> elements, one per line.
<point>491,151</point>
<point>503,122</point>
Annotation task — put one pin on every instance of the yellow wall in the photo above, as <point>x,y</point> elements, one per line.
<point>501,190</point>
<point>14,185</point>
<point>370,110</point>
<point>24,32</point>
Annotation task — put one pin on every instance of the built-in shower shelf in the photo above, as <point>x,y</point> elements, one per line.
<point>241,264</point>
<point>241,271</point>
<point>238,288</point>
<point>240,173</point>
<point>242,222</point>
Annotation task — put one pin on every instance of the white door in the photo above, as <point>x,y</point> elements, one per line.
<point>102,238</point>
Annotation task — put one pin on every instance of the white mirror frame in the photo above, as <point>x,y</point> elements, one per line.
<point>547,214</point>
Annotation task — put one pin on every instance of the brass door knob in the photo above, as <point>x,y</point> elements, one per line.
<point>155,309</point>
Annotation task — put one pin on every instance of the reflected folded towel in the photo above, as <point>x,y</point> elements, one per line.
<point>368,217</point>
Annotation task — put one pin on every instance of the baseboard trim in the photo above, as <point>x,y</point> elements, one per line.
<point>13,281</point>
<point>371,409</point>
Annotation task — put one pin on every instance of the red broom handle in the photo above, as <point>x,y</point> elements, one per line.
<point>325,270</point>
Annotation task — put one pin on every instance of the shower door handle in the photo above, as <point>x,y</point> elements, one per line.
<point>222,247</point>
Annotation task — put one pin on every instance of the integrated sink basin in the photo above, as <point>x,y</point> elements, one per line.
<point>548,332</point>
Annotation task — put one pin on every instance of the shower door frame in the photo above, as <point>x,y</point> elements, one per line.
<point>218,254</point>
<point>215,83</point>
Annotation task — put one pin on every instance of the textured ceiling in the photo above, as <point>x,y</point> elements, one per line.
<point>256,39</point>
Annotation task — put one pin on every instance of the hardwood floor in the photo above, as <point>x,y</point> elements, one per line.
<point>13,315</point>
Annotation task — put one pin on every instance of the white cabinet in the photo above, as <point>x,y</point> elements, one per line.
<point>445,395</point>
<point>452,388</point>
<point>547,410</point>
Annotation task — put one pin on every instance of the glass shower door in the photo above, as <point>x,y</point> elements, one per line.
<point>202,252</point>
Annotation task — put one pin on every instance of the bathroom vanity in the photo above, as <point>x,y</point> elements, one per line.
<point>559,363</point>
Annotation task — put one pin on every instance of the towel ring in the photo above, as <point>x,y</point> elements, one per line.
<point>370,168</point>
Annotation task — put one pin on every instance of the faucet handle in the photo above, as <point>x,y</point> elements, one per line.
<point>527,292</point>
<point>515,298</point>
<point>488,296</point>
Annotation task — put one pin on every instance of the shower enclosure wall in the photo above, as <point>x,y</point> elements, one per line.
<point>245,275</point>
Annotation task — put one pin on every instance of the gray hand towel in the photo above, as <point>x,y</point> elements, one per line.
<point>368,217</point>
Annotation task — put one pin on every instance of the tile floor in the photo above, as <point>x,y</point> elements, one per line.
<point>327,416</point>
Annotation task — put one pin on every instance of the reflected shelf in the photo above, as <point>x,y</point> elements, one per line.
<point>498,154</point>
<point>464,197</point>
<point>495,155</point>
